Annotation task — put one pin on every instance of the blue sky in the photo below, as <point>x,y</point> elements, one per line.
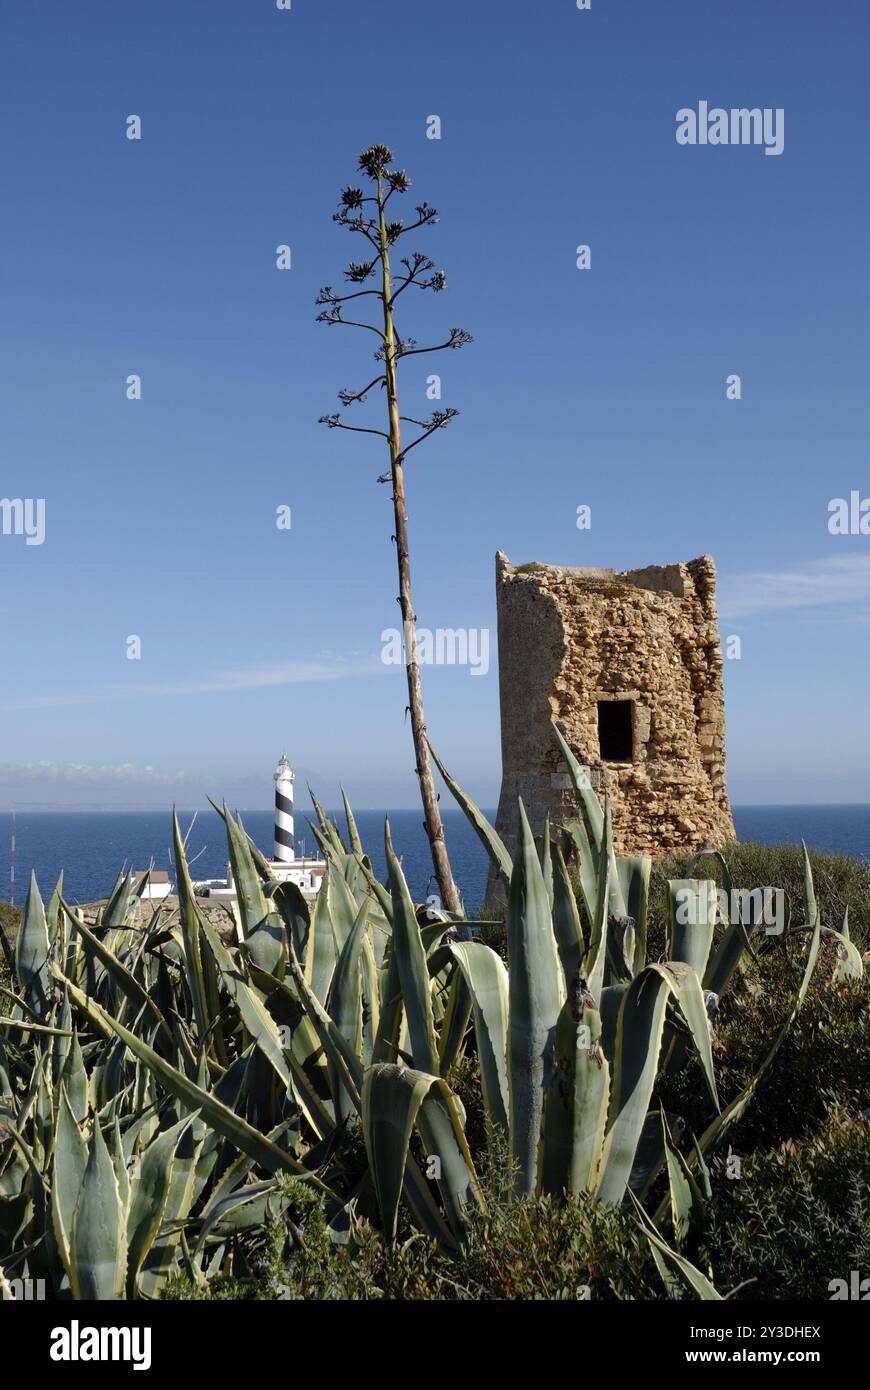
<point>603,387</point>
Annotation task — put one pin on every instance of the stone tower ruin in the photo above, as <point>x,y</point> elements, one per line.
<point>631,664</point>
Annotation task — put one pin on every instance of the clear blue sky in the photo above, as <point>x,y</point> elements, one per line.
<point>604,387</point>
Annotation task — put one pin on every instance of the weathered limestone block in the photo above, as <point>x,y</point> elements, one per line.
<point>631,665</point>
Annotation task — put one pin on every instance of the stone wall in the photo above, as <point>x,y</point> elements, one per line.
<point>569,638</point>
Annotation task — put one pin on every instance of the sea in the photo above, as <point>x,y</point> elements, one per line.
<point>92,846</point>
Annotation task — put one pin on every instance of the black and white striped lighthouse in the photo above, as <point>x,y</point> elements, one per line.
<point>284,851</point>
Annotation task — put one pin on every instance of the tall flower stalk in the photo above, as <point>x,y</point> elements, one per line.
<point>366,215</point>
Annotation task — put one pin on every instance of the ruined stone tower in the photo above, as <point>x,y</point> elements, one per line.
<point>631,664</point>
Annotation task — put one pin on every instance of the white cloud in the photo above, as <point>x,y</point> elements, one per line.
<point>119,774</point>
<point>225,680</point>
<point>841,582</point>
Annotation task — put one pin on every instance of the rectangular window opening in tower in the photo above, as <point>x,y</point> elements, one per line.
<point>616,731</point>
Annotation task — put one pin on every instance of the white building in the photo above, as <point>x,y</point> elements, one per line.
<point>157,887</point>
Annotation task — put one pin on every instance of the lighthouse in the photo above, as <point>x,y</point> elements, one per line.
<point>284,843</point>
<point>307,874</point>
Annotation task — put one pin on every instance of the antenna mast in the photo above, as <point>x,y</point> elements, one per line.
<point>12,864</point>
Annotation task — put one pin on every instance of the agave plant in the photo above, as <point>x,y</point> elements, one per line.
<point>160,1082</point>
<point>125,1143</point>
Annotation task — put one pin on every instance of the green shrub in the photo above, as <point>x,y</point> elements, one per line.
<point>797,1217</point>
<point>10,917</point>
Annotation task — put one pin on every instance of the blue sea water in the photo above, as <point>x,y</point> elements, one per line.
<point>91,846</point>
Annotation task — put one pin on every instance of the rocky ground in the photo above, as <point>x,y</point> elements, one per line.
<point>217,913</point>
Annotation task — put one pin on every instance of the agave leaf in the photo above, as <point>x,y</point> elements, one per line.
<point>649,1158</point>
<point>576,1109</point>
<point>294,913</point>
<point>253,908</point>
<point>327,827</point>
<point>693,906</point>
<point>392,1100</point>
<point>356,846</point>
<point>31,950</point>
<point>382,894</point>
<point>536,994</point>
<point>68,1170</point>
<point>489,838</point>
<point>255,1016</point>
<point>413,973</point>
<point>680,1187</point>
<point>98,1240</point>
<point>587,864</point>
<point>266,947</point>
<point>811,910</point>
<point>341,906</point>
<point>849,965</point>
<point>345,1007</point>
<point>232,1127</point>
<point>118,972</point>
<point>669,1262</point>
<point>117,908</point>
<point>230,1211</point>
<point>75,1079</point>
<point>320,951</point>
<point>26,1025</point>
<point>591,806</point>
<point>638,1043</point>
<point>149,1192</point>
<point>190,934</point>
<point>487,981</point>
<point>52,912</point>
<point>118,1162</point>
<point>716,854</point>
<point>595,835</point>
<point>566,919</point>
<point>259,861</point>
<point>609,1005</point>
<point>547,861</point>
<point>331,1039</point>
<point>63,1042</point>
<point>390,1022</point>
<point>634,876</point>
<point>161,1256</point>
<point>371,1000</point>
<point>596,956</point>
<point>440,1125</point>
<point>454,1024</point>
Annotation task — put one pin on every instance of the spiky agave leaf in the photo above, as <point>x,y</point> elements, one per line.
<point>488,836</point>
<point>576,1102</point>
<point>536,995</point>
<point>487,982</point>
<point>392,1102</point>
<point>31,950</point>
<point>639,1031</point>
<point>98,1239</point>
<point>566,919</point>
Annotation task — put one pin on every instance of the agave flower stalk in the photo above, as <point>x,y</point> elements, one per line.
<point>368,216</point>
